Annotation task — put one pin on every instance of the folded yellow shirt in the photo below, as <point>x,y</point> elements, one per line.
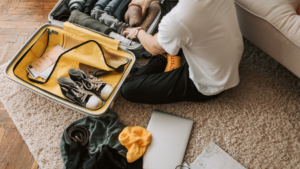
<point>136,139</point>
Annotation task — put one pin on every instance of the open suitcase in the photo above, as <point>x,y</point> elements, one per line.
<point>82,46</point>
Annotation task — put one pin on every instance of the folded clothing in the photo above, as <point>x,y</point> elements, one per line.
<point>76,4</point>
<point>103,131</point>
<point>123,40</point>
<point>85,20</point>
<point>109,20</point>
<point>109,158</point>
<point>136,139</point>
<point>64,16</point>
<point>112,6</point>
<point>153,11</point>
<point>121,10</point>
<point>133,16</point>
<point>88,6</point>
<point>101,4</point>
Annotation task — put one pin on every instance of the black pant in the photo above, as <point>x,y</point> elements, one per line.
<point>152,85</point>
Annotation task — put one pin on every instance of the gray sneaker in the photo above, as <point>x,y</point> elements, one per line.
<point>91,83</point>
<point>77,94</point>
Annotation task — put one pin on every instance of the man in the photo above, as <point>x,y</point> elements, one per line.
<point>209,35</point>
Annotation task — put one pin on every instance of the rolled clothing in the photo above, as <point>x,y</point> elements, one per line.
<point>123,40</point>
<point>121,10</point>
<point>103,131</point>
<point>86,21</point>
<point>88,6</point>
<point>136,139</point>
<point>76,5</point>
<point>60,10</point>
<point>101,4</point>
<point>133,16</point>
<point>153,11</point>
<point>64,16</point>
<point>112,6</point>
<point>109,20</point>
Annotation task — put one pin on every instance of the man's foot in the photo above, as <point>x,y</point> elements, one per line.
<point>91,83</point>
<point>76,93</point>
<point>174,62</point>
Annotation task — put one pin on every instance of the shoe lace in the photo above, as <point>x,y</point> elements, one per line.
<point>80,92</point>
<point>92,83</point>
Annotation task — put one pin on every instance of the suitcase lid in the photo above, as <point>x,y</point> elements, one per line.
<point>122,46</point>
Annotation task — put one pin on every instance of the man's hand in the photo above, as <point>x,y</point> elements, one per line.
<point>148,41</point>
<point>142,3</point>
<point>129,33</point>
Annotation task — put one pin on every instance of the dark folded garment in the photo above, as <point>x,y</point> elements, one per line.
<point>88,6</point>
<point>121,10</point>
<point>109,158</point>
<point>112,6</point>
<point>109,20</point>
<point>86,21</point>
<point>101,4</point>
<point>60,10</point>
<point>76,5</point>
<point>64,16</point>
<point>153,10</point>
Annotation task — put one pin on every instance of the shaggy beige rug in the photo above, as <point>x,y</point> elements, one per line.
<point>257,123</point>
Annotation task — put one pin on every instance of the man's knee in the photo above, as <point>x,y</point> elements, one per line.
<point>127,90</point>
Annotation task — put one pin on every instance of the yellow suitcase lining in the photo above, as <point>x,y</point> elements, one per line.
<point>100,52</point>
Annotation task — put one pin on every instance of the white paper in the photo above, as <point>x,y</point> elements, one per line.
<point>44,65</point>
<point>45,74</point>
<point>213,157</point>
<point>32,72</point>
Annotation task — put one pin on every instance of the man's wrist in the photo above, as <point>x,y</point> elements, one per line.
<point>138,32</point>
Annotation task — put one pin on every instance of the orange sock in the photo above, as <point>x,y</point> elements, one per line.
<point>173,62</point>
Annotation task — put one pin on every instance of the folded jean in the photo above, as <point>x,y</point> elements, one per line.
<point>86,21</point>
<point>88,6</point>
<point>101,4</point>
<point>109,20</point>
<point>123,40</point>
<point>76,4</point>
<point>112,6</point>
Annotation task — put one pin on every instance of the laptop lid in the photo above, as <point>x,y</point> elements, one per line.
<point>170,136</point>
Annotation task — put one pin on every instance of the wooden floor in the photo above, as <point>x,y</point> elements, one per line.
<point>18,21</point>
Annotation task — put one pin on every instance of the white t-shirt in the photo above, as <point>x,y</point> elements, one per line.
<point>209,34</point>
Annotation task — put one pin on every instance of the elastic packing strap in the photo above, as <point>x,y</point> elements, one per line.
<point>121,67</point>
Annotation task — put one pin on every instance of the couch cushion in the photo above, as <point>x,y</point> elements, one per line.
<point>280,13</point>
<point>274,27</point>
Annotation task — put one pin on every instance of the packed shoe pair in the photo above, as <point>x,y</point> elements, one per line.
<point>84,90</point>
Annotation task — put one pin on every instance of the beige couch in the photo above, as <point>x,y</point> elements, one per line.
<point>274,27</point>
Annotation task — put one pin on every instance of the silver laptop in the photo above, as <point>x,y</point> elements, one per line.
<point>170,136</point>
